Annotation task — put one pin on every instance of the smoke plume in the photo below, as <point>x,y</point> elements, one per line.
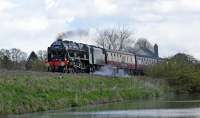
<point>111,72</point>
<point>74,33</point>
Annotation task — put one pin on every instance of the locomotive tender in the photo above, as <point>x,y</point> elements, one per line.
<point>69,56</point>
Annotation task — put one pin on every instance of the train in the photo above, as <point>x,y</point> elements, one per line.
<point>68,56</point>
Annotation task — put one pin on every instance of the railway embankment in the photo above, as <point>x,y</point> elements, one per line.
<point>22,92</point>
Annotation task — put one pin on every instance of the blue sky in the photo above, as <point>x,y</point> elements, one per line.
<point>35,24</point>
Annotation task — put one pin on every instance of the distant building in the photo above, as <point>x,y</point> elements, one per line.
<point>146,51</point>
<point>32,57</point>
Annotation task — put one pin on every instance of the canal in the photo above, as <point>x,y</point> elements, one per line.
<point>174,108</point>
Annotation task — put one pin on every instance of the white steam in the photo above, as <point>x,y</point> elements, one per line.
<point>111,72</point>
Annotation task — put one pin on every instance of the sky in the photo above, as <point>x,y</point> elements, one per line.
<point>34,24</point>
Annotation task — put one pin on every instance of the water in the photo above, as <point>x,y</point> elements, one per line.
<point>179,108</point>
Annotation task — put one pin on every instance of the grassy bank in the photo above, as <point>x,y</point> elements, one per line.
<point>22,92</point>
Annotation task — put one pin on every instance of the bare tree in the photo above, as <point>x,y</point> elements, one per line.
<point>115,38</point>
<point>23,56</point>
<point>17,55</point>
<point>125,38</point>
<point>42,55</point>
<point>5,60</point>
<point>4,52</point>
<point>12,59</point>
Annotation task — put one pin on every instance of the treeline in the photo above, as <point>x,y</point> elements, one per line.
<point>15,59</point>
<point>182,72</point>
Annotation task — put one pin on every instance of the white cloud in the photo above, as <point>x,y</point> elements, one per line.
<point>148,17</point>
<point>27,24</point>
<point>51,3</point>
<point>70,19</point>
<point>107,7</point>
<point>173,24</point>
<point>68,13</point>
<point>173,6</point>
<point>5,5</point>
<point>172,37</point>
<point>191,5</point>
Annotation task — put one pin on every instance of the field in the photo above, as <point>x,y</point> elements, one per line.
<point>22,92</point>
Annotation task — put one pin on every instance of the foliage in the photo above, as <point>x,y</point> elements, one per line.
<point>12,59</point>
<point>38,65</point>
<point>22,92</point>
<point>42,55</point>
<point>182,73</point>
<point>15,59</point>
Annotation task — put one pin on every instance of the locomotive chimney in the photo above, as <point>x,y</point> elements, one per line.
<point>59,39</point>
<point>156,50</point>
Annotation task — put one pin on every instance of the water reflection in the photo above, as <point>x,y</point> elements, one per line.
<point>137,109</point>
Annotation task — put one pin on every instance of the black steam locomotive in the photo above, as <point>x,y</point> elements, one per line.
<point>68,56</point>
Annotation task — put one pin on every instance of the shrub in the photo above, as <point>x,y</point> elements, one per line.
<point>181,72</point>
<point>38,65</point>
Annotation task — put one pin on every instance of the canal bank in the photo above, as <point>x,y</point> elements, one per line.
<point>23,92</point>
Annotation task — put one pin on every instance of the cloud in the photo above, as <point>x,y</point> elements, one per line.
<point>172,37</point>
<point>26,24</point>
<point>106,7</point>
<point>148,17</point>
<point>173,6</point>
<point>50,3</point>
<point>173,24</point>
<point>5,5</point>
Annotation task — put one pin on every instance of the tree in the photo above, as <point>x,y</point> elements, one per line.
<point>5,59</point>
<point>42,55</point>
<point>17,55</point>
<point>114,38</point>
<point>143,43</point>
<point>30,61</point>
<point>18,58</point>
<point>124,38</point>
<point>36,62</point>
<point>12,59</point>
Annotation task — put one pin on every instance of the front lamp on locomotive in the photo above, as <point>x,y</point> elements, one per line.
<point>57,60</point>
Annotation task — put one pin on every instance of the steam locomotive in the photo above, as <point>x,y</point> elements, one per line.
<point>69,56</point>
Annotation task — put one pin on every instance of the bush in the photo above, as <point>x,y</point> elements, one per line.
<point>38,65</point>
<point>181,72</point>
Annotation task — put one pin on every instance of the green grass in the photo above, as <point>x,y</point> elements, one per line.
<point>22,92</point>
